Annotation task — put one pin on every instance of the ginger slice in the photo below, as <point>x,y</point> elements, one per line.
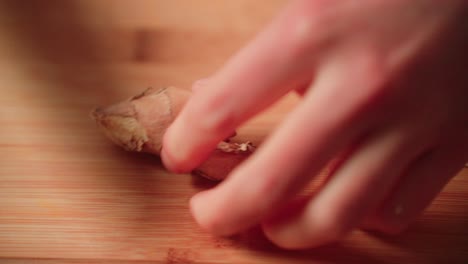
<point>138,124</point>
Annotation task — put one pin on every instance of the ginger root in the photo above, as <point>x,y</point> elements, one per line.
<point>138,124</point>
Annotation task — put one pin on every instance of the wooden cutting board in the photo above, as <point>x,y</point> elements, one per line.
<point>67,195</point>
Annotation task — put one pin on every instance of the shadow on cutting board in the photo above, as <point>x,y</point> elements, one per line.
<point>427,241</point>
<point>441,240</point>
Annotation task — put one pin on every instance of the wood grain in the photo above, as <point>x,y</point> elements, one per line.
<point>67,195</point>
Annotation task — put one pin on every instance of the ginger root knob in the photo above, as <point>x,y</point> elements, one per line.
<point>139,123</point>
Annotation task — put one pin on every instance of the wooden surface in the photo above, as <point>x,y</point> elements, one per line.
<point>67,195</point>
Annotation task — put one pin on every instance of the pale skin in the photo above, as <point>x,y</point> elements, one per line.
<point>385,82</point>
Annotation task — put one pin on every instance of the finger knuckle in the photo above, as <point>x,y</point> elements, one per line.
<point>305,30</point>
<point>304,27</point>
<point>367,71</point>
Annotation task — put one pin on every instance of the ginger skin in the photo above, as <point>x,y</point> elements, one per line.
<point>138,124</point>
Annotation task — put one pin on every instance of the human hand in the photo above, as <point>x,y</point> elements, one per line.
<point>383,81</point>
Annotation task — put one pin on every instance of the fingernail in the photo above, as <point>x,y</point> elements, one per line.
<point>167,161</point>
<point>212,220</point>
<point>172,155</point>
<point>198,210</point>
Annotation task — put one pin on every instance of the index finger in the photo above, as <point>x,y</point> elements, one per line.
<point>251,80</point>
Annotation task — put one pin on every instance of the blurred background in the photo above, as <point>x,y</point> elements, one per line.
<point>67,195</point>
